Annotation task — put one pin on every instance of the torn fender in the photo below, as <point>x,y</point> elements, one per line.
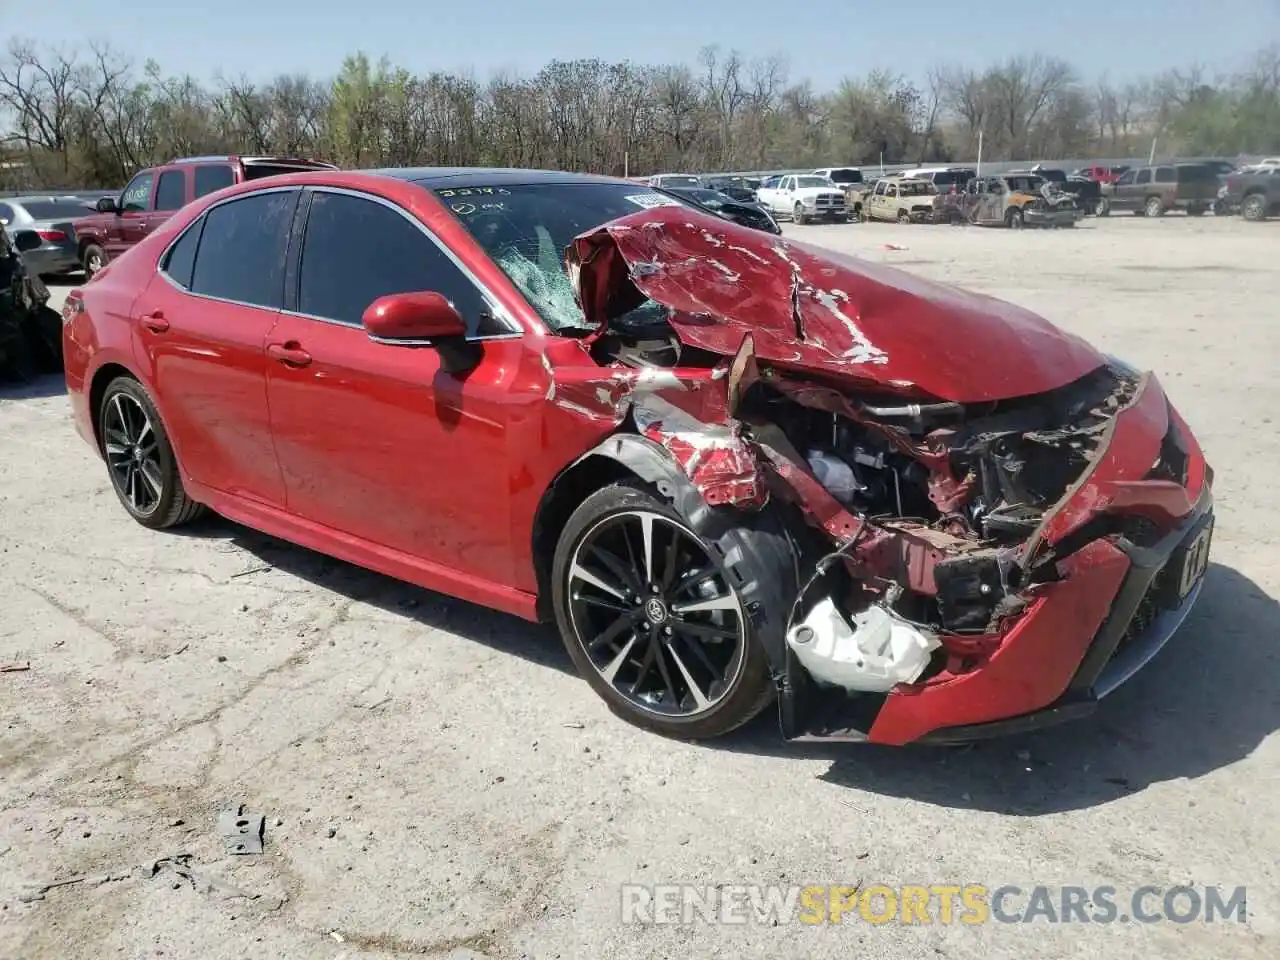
<point>684,411</point>
<point>839,317</point>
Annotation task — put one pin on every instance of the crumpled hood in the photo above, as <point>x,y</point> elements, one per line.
<point>818,311</point>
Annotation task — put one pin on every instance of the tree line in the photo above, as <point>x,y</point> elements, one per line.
<point>90,117</point>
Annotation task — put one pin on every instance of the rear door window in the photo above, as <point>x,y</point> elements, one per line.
<point>1165,175</point>
<point>171,191</point>
<point>242,249</point>
<point>357,250</point>
<point>213,177</point>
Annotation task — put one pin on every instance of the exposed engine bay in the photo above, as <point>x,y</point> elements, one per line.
<point>946,497</point>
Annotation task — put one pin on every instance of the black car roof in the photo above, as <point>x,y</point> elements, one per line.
<point>451,177</point>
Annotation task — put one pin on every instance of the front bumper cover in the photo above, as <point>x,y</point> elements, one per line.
<point>1146,613</point>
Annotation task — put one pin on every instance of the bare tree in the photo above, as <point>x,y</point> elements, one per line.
<point>87,117</point>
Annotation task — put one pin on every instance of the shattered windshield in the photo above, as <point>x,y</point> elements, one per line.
<point>525,228</point>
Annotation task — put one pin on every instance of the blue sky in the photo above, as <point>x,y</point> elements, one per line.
<point>822,39</point>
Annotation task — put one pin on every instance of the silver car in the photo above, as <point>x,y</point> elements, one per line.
<point>50,218</point>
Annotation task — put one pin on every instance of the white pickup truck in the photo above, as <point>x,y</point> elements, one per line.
<point>804,197</point>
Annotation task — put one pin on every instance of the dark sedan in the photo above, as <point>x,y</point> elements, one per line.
<point>751,215</point>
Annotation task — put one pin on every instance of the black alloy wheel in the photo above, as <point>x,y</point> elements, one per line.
<point>651,619</point>
<point>140,460</point>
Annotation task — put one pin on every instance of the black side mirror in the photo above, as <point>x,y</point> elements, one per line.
<point>107,205</point>
<point>26,240</point>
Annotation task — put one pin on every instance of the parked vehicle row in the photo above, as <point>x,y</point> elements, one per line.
<point>1153,191</point>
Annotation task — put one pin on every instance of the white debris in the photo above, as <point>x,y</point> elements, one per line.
<point>873,655</point>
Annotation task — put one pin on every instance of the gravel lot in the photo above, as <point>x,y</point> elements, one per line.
<point>436,782</point>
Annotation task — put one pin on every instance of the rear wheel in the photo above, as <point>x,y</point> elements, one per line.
<point>652,618</point>
<point>93,259</point>
<point>140,460</point>
<point>1254,207</point>
<point>1195,210</point>
<point>1154,207</point>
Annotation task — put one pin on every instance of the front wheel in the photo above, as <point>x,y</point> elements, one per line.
<point>140,459</point>
<point>797,213</point>
<point>651,617</point>
<point>1014,219</point>
<point>1101,207</point>
<point>1254,207</point>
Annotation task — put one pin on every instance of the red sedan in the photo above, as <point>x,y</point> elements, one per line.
<point>732,467</point>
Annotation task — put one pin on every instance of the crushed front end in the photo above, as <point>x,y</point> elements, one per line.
<point>990,568</point>
<point>992,530</point>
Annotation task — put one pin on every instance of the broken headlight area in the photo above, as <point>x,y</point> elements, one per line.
<point>935,509</point>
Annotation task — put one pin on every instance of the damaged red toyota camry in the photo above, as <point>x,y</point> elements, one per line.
<point>733,468</point>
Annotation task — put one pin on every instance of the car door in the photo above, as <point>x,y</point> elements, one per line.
<point>202,324</point>
<point>378,440</point>
<point>131,222</point>
<point>872,201</point>
<point>1136,193</point>
<point>1122,191</point>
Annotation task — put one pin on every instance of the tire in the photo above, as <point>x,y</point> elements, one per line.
<point>904,216</point>
<point>1013,218</point>
<point>1254,207</point>
<point>858,215</point>
<point>1195,210</point>
<point>1154,207</point>
<point>617,511</point>
<point>171,507</point>
<point>93,259</point>
<point>1102,207</point>
<point>797,213</point>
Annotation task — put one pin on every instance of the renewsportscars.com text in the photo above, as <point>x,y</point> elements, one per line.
<point>945,904</point>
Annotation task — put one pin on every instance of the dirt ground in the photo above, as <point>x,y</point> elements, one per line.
<point>437,782</point>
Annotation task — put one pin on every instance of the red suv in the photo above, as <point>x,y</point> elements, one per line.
<point>155,194</point>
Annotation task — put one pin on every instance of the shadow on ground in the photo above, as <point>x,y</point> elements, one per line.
<point>1208,700</point>
<point>46,385</point>
<point>537,643</point>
